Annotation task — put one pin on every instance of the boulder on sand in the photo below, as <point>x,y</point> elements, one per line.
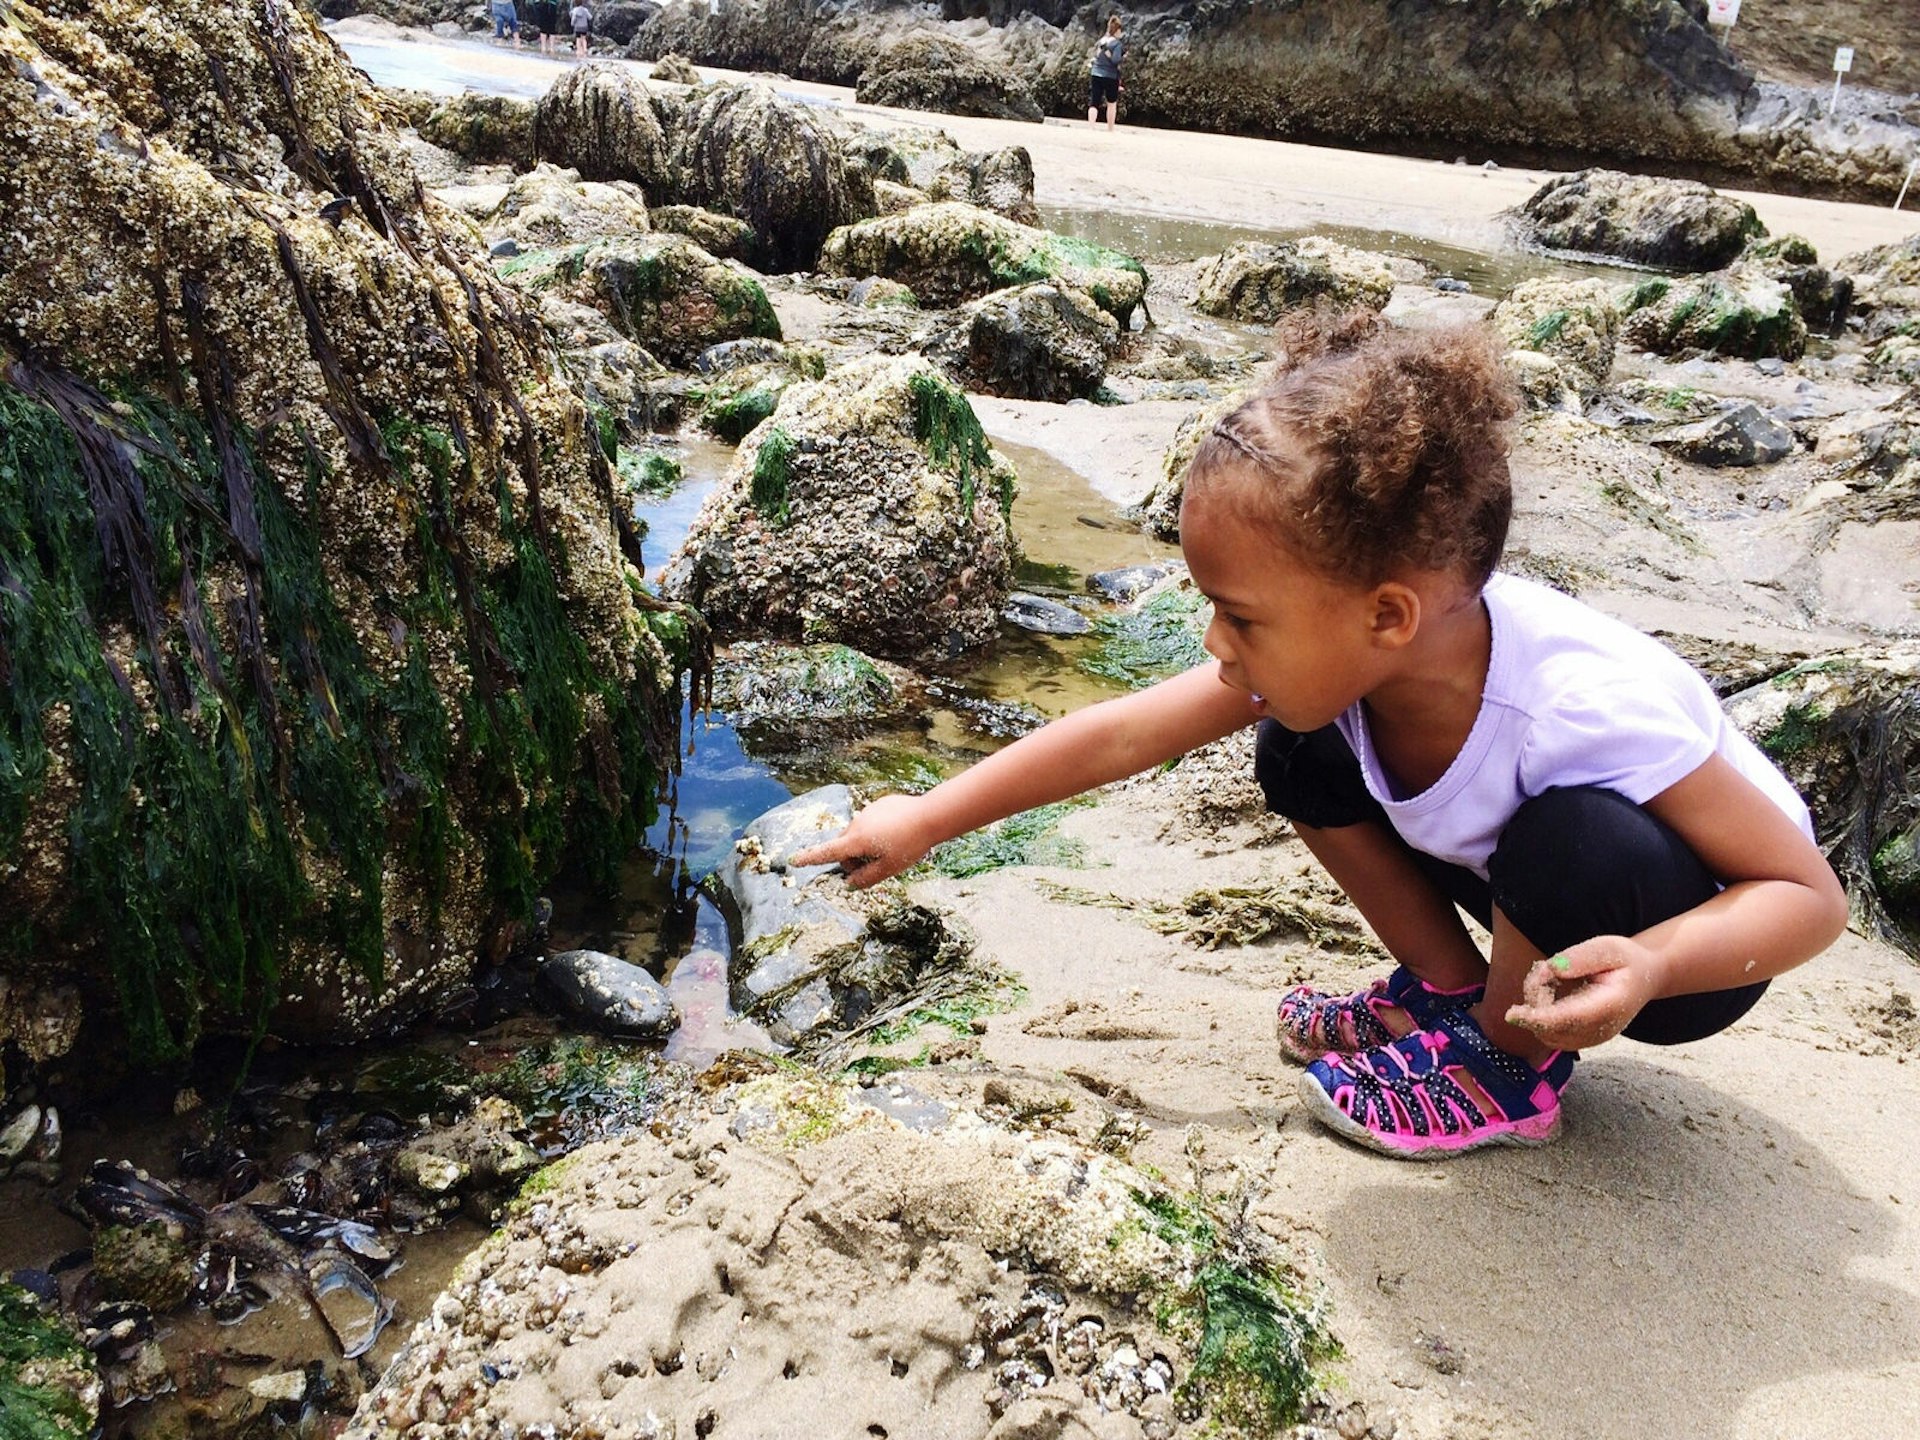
<point>1745,435</point>
<point>550,206</point>
<point>745,152</point>
<point>869,510</point>
<point>1569,321</point>
<point>1258,282</point>
<point>660,290</point>
<point>924,71</point>
<point>947,253</point>
<point>1677,224</point>
<point>600,120</point>
<point>1032,342</point>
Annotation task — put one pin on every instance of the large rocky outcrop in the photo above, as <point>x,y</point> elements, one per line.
<point>1636,81</point>
<point>931,72</point>
<point>868,510</point>
<point>1643,219</point>
<point>744,151</point>
<point>322,632</point>
<point>600,120</point>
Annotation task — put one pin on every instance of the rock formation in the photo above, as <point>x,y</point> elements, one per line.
<point>322,631</point>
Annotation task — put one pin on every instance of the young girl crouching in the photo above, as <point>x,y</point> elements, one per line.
<point>1443,738</point>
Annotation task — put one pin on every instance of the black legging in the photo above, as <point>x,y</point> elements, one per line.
<point>1571,864</point>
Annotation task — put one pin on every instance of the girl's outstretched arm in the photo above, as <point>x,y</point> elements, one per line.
<point>1078,752</point>
<point>1782,905</point>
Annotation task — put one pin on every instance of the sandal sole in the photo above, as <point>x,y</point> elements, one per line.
<point>1319,1104</point>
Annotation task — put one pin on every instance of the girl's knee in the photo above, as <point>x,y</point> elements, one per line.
<point>1583,861</point>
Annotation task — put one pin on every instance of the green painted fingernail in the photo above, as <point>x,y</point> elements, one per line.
<point>1560,963</point>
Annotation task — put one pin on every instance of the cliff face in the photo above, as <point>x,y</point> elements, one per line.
<point>322,638</point>
<point>1627,81</point>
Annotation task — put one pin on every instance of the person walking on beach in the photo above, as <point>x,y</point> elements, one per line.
<point>506,21</point>
<point>1103,84</point>
<point>582,18</point>
<point>1444,738</point>
<point>544,16</point>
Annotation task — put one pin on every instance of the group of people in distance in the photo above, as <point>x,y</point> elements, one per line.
<point>516,22</point>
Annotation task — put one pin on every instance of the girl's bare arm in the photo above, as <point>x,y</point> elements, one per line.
<point>1782,905</point>
<point>1079,752</point>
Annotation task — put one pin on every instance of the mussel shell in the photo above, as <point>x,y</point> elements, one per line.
<point>352,1308</point>
<point>114,1193</point>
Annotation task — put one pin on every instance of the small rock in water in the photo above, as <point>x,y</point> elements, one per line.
<point>504,249</point>
<point>1741,436</point>
<point>1126,585</point>
<point>610,993</point>
<point>1044,616</point>
<point>1770,365</point>
<point>1451,286</point>
<point>288,1386</point>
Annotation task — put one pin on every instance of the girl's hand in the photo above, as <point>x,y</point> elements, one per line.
<point>1588,993</point>
<point>885,838</point>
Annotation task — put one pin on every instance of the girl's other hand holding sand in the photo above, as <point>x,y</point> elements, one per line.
<point>1588,993</point>
<point>885,838</point>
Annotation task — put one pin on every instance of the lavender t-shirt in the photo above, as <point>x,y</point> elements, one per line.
<point>1572,698</point>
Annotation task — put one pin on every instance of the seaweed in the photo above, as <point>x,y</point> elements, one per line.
<point>944,423</point>
<point>1547,328</point>
<point>46,1374</point>
<point>772,470</point>
<point>1159,637</point>
<point>1023,839</point>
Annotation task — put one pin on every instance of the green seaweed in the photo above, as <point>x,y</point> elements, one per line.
<point>45,1374</point>
<point>1023,839</point>
<point>1259,1345</point>
<point>1800,728</point>
<point>1547,328</point>
<point>1647,292</point>
<point>772,470</point>
<point>246,779</point>
<point>649,473</point>
<point>1158,638</point>
<point>945,425</point>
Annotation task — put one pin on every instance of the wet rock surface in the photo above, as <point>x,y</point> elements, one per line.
<point>868,509</point>
<point>1033,342</point>
<point>930,72</point>
<point>1742,436</point>
<point>609,994</point>
<point>1258,282</point>
<point>1676,224</point>
<point>1570,323</point>
<point>600,120</point>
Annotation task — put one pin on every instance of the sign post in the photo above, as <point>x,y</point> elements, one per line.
<point>1906,182</point>
<point>1842,63</point>
<point>1723,12</point>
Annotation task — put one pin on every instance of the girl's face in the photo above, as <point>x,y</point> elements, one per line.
<point>1302,645</point>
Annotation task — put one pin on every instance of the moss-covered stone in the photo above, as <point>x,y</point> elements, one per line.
<point>1043,341</point>
<point>482,129</point>
<point>744,151</point>
<point>145,1262</point>
<point>1571,322</point>
<point>868,510</point>
<point>599,120</point>
<point>1258,282</point>
<point>1740,312</point>
<point>660,290</point>
<point>949,252</point>
<point>322,641</point>
<point>720,235</point>
<point>49,1384</point>
<point>741,398</point>
<point>786,692</point>
<point>1645,219</point>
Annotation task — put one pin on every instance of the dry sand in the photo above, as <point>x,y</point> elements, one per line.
<point>1726,1243</point>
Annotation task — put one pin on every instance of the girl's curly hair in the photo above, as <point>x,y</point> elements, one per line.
<point>1372,448</point>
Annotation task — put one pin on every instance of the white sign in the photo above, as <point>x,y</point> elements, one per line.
<point>1843,59</point>
<point>1722,12</point>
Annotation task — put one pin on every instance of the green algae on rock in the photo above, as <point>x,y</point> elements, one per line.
<point>49,1385</point>
<point>1644,219</point>
<point>1738,312</point>
<point>1257,281</point>
<point>867,510</point>
<point>1570,322</point>
<point>950,252</point>
<point>324,633</point>
<point>1043,341</point>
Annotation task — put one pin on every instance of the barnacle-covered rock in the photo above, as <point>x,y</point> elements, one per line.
<point>950,252</point>
<point>660,290</point>
<point>1033,342</point>
<point>869,509</point>
<point>550,206</point>
<point>1569,321</point>
<point>1739,312</point>
<point>746,152</point>
<point>924,71</point>
<point>719,235</point>
<point>600,121</point>
<point>1259,281</point>
<point>1845,727</point>
<point>1824,296</point>
<point>482,129</point>
<point>322,627</point>
<point>1160,511</point>
<point>1646,219</point>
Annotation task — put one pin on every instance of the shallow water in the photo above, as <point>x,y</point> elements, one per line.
<point>1171,239</point>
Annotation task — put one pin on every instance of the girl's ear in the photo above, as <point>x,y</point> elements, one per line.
<point>1396,615</point>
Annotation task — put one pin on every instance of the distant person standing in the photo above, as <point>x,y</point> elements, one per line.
<point>545,15</point>
<point>582,28</point>
<point>506,21</point>
<point>1103,84</point>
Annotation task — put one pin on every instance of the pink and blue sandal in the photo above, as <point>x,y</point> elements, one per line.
<point>1437,1093</point>
<point>1312,1023</point>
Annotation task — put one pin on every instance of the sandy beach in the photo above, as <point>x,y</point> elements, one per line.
<point>1725,1245</point>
